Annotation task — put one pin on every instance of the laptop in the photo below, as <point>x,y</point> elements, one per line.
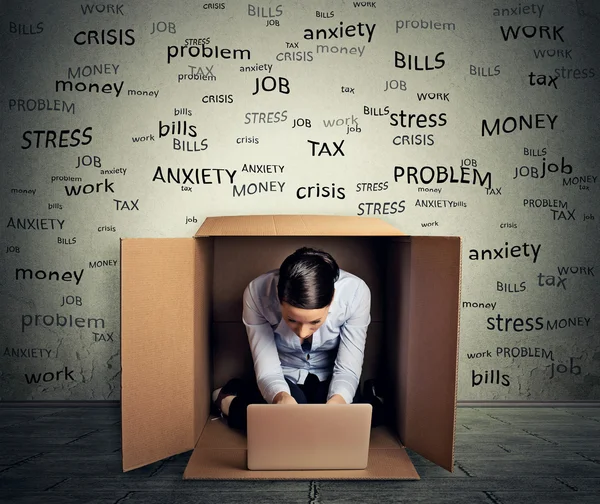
<point>308,436</point>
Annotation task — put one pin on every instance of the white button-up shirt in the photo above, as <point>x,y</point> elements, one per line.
<point>337,346</point>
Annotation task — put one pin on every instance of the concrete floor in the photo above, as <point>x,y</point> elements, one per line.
<point>504,455</point>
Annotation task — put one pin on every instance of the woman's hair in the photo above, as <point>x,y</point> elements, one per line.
<point>306,279</point>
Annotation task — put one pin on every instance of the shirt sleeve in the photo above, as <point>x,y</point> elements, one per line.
<point>261,338</point>
<point>353,336</point>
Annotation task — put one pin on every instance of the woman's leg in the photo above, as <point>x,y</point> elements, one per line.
<point>238,416</point>
<point>297,392</point>
<point>315,391</point>
<point>321,391</point>
<point>250,394</point>
<point>358,398</point>
<point>369,397</point>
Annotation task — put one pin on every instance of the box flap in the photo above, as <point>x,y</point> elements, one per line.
<point>221,454</point>
<point>431,359</point>
<point>295,225</point>
<point>157,340</point>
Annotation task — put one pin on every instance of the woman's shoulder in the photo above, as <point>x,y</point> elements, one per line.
<point>265,283</point>
<point>267,277</point>
<point>349,283</point>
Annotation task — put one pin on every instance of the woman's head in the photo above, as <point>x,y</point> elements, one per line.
<point>306,289</point>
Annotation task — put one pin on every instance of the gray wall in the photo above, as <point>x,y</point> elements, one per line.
<point>497,90</point>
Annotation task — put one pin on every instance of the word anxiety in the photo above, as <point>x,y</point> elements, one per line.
<point>35,223</point>
<point>250,168</point>
<point>193,175</point>
<point>257,68</point>
<point>505,253</point>
<point>27,352</point>
<point>340,32</point>
<point>517,11</point>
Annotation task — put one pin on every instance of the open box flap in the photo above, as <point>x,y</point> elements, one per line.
<point>157,348</point>
<point>295,225</point>
<point>431,359</point>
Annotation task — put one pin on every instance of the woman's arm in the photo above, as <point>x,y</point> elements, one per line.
<point>267,365</point>
<point>353,336</point>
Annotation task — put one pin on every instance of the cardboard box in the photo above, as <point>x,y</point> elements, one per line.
<point>182,336</point>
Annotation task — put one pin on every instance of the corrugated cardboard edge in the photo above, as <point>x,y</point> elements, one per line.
<point>203,284</point>
<point>398,322</point>
<point>295,225</point>
<point>460,264</point>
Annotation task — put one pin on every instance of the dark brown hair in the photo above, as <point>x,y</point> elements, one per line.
<point>307,278</point>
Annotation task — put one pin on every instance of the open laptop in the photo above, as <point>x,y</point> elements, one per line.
<point>308,436</point>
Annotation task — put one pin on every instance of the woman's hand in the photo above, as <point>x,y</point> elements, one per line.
<point>336,399</point>
<point>284,398</point>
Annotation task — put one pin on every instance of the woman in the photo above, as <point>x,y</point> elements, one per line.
<point>307,326</point>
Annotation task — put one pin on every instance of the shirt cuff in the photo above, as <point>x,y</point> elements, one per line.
<point>343,391</point>
<point>273,388</point>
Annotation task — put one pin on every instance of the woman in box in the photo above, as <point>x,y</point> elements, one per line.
<point>307,325</point>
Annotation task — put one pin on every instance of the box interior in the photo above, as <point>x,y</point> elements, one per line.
<point>183,337</point>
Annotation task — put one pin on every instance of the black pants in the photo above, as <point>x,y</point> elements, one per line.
<point>312,391</point>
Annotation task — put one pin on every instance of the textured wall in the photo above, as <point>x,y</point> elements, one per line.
<point>464,118</point>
